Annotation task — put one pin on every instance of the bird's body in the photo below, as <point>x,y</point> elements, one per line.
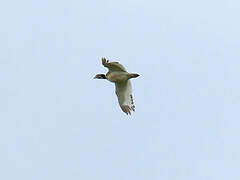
<point>123,88</point>
<point>117,76</point>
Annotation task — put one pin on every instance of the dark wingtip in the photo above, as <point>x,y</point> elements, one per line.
<point>100,76</point>
<point>134,75</point>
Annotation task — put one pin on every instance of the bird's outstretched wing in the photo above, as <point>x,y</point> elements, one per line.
<point>113,66</point>
<point>125,98</point>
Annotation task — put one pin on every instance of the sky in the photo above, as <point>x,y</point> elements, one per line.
<point>56,122</point>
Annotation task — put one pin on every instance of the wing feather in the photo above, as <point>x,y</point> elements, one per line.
<point>113,66</point>
<point>125,98</point>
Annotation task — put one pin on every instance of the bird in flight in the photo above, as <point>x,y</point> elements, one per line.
<point>123,88</point>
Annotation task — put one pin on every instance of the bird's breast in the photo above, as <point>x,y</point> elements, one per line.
<point>116,76</point>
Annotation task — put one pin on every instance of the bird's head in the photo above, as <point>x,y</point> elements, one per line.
<point>100,76</point>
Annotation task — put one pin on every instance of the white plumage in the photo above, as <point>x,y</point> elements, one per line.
<point>123,88</point>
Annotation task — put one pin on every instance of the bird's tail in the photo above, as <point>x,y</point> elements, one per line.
<point>133,75</point>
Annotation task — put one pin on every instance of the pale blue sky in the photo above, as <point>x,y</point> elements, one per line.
<point>59,123</point>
